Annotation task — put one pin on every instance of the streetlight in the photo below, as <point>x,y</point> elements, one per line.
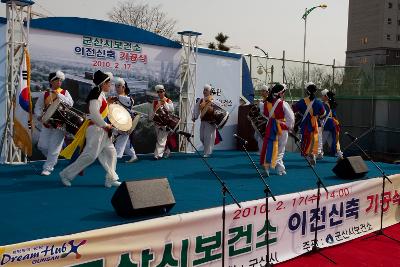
<point>305,15</point>
<point>266,62</point>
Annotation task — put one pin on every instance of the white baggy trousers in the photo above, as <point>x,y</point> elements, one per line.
<point>123,146</point>
<point>207,136</point>
<point>282,141</point>
<point>162,136</point>
<point>50,144</point>
<point>98,145</point>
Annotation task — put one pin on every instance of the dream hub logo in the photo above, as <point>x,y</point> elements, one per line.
<point>40,254</point>
<point>74,249</point>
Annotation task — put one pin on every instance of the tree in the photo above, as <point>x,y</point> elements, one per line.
<point>143,16</point>
<point>221,39</point>
<point>212,46</point>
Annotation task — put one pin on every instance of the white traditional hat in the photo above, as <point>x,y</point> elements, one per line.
<point>324,92</point>
<point>207,87</point>
<point>119,81</point>
<point>159,87</point>
<point>56,75</point>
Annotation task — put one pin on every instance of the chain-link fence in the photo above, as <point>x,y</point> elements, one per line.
<point>368,97</point>
<point>291,72</point>
<point>369,81</point>
<point>369,102</point>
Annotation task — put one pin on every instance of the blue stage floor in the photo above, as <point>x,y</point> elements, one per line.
<point>34,206</point>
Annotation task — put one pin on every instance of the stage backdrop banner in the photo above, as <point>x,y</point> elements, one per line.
<point>224,75</point>
<point>142,66</point>
<point>347,211</point>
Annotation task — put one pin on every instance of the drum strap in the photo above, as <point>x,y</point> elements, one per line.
<point>47,95</point>
<point>155,103</point>
<point>272,111</point>
<point>204,103</point>
<point>127,107</point>
<point>309,108</point>
<point>327,117</point>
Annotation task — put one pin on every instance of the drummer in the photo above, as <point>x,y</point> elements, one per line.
<point>123,142</point>
<point>97,132</point>
<point>51,139</point>
<point>162,131</point>
<point>207,129</point>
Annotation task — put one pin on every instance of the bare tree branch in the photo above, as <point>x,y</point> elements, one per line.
<point>143,16</point>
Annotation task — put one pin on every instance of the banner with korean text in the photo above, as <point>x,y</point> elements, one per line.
<point>142,66</point>
<point>347,212</point>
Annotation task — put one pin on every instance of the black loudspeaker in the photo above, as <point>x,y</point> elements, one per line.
<point>351,168</point>
<point>143,197</point>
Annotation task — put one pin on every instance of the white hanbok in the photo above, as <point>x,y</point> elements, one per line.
<point>207,130</point>
<point>50,139</point>
<point>98,145</point>
<point>161,131</point>
<point>122,142</point>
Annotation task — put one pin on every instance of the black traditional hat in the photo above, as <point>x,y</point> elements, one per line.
<point>311,88</point>
<point>100,77</point>
<point>277,89</point>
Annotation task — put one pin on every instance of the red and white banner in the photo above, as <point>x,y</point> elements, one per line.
<point>347,212</point>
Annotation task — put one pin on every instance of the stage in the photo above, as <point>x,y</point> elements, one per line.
<point>35,206</point>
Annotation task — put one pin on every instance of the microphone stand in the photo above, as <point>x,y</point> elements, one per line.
<point>315,248</point>
<point>267,191</point>
<point>384,178</point>
<point>224,190</point>
<point>356,140</point>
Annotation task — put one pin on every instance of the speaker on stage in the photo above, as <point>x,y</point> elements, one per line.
<point>143,197</point>
<point>351,168</point>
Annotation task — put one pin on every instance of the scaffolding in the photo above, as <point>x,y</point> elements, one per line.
<point>189,41</point>
<point>18,20</point>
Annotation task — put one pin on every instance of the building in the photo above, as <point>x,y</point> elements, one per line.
<point>373,36</point>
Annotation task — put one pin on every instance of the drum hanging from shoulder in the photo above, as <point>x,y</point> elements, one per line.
<point>60,116</point>
<point>214,114</point>
<point>164,118</point>
<point>258,120</point>
<point>120,118</point>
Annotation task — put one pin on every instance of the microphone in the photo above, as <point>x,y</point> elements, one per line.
<point>240,139</point>
<point>185,134</point>
<point>296,139</point>
<point>353,138</point>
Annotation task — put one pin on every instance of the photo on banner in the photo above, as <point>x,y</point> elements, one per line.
<point>141,66</point>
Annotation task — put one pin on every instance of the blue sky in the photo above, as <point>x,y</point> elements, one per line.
<point>274,25</point>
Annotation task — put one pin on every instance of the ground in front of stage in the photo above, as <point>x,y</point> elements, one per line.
<point>35,206</point>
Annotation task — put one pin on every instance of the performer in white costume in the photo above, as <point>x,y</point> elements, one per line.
<point>162,131</point>
<point>207,130</point>
<point>123,144</point>
<point>98,136</point>
<point>51,139</point>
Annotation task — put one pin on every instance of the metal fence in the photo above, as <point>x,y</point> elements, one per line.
<point>368,97</point>
<point>271,70</point>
